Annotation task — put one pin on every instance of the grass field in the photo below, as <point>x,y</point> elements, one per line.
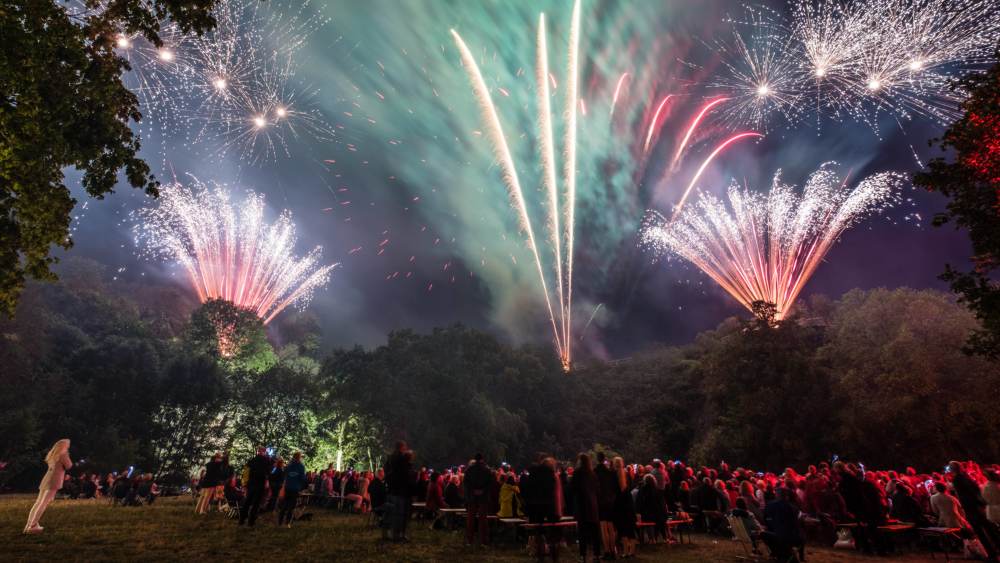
<point>169,530</point>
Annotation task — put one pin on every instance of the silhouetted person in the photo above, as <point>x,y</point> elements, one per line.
<point>478,479</point>
<point>259,468</point>
<point>607,492</point>
<point>584,489</point>
<point>401,484</point>
<point>538,490</point>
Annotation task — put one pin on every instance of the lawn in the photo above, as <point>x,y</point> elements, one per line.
<point>169,530</point>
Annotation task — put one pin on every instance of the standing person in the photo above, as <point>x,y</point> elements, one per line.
<point>58,462</point>
<point>539,489</point>
<point>400,484</point>
<point>210,479</point>
<point>295,481</point>
<point>584,489</point>
<point>607,492</point>
<point>974,505</point>
<point>256,483</point>
<point>651,507</point>
<point>478,480</point>
<point>274,481</point>
<point>623,511</point>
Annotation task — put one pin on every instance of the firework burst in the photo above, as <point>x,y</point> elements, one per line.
<point>765,247</point>
<point>228,250</point>
<point>759,73</point>
<point>234,89</point>
<point>857,60</point>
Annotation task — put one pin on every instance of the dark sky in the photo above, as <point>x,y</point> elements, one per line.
<point>406,163</point>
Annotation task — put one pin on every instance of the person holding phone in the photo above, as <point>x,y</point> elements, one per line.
<point>58,462</point>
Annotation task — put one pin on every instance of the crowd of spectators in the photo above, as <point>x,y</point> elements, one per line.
<point>609,499</point>
<point>126,488</point>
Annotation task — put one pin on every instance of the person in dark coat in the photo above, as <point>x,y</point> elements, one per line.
<point>260,467</point>
<point>650,505</point>
<point>478,480</point>
<point>376,489</point>
<point>584,489</point>
<point>623,510</point>
<point>859,499</point>
<point>970,496</point>
<point>401,482</point>
<point>905,507</point>
<point>538,491</point>
<point>607,492</point>
<point>211,479</point>
<point>781,517</point>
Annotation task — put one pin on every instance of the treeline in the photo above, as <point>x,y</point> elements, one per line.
<point>135,376</point>
<point>878,376</point>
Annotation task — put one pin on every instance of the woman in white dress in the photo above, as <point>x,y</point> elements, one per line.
<point>58,462</point>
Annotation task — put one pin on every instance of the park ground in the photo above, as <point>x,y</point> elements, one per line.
<point>88,530</point>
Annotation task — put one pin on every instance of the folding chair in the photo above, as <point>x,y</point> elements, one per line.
<point>744,539</point>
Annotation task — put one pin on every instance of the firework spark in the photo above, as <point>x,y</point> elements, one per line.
<point>857,60</point>
<point>765,247</point>
<point>562,239</point>
<point>618,91</point>
<point>228,249</point>
<point>759,73</point>
<point>233,89</point>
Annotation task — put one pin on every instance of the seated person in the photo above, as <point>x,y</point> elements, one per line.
<point>510,503</point>
<point>377,490</point>
<point>905,507</point>
<point>88,489</point>
<point>232,492</point>
<point>121,490</point>
<point>749,521</point>
<point>783,534</point>
<point>453,493</point>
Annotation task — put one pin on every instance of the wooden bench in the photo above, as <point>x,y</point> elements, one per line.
<point>681,525</point>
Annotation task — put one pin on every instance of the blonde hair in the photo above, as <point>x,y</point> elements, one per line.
<point>58,449</point>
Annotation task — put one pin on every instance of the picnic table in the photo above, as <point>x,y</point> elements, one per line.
<point>894,530</point>
<point>418,510</point>
<point>943,537</point>
<point>450,515</point>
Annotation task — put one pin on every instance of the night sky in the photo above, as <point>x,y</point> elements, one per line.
<point>405,162</point>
